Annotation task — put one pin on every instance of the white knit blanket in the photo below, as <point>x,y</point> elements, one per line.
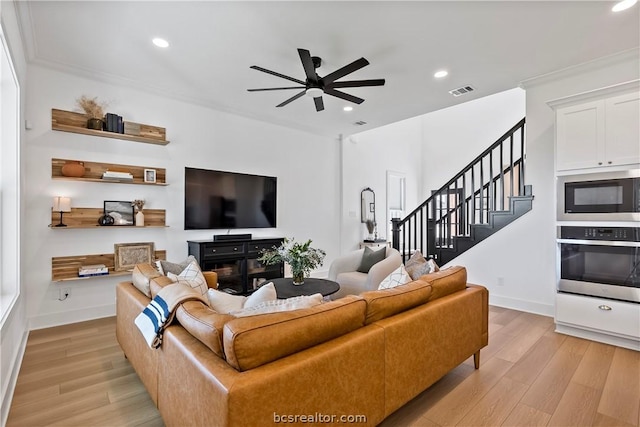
<point>161,310</point>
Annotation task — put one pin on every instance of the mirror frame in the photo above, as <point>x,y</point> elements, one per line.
<point>370,209</point>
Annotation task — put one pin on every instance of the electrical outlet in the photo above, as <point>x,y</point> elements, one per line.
<point>500,281</point>
<point>64,294</point>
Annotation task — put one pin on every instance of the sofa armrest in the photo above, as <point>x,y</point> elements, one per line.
<point>382,269</point>
<point>345,263</point>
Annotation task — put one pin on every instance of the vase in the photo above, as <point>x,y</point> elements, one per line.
<point>94,124</point>
<point>298,278</point>
<point>73,169</point>
<point>139,219</point>
<point>106,220</point>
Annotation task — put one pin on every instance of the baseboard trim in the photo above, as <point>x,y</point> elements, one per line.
<point>522,305</point>
<point>7,393</point>
<point>597,336</point>
<point>73,316</point>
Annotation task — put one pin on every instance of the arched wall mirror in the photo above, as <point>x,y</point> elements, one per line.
<point>367,205</point>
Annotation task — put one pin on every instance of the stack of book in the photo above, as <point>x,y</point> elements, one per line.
<point>117,176</point>
<point>113,123</point>
<point>93,270</point>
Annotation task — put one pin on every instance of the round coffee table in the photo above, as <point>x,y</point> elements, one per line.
<point>286,289</point>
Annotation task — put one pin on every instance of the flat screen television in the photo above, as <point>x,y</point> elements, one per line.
<point>218,199</point>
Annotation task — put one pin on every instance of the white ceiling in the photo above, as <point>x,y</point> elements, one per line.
<point>492,46</point>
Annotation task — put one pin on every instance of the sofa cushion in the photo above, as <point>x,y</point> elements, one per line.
<point>141,277</point>
<point>447,281</point>
<point>158,283</point>
<point>253,341</point>
<point>387,302</point>
<point>371,257</point>
<point>351,278</point>
<point>203,323</point>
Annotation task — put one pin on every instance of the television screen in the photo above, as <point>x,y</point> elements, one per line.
<point>217,199</point>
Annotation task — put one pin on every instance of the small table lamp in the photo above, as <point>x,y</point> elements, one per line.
<point>61,204</point>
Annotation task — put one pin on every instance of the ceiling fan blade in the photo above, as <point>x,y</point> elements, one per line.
<point>275,88</point>
<point>273,73</point>
<point>307,63</point>
<point>358,83</point>
<point>319,103</point>
<point>347,69</point>
<point>293,98</point>
<point>342,95</point>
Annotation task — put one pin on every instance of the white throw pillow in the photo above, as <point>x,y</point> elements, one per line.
<point>264,293</point>
<point>223,302</point>
<point>289,304</point>
<point>398,277</point>
<point>192,277</point>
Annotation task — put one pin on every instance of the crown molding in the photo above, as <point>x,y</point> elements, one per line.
<point>605,61</point>
<point>596,93</point>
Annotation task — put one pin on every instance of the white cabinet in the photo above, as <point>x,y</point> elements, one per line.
<point>580,136</point>
<point>598,133</point>
<point>613,322</point>
<point>622,129</point>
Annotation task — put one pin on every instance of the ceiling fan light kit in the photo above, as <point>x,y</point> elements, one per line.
<point>315,86</point>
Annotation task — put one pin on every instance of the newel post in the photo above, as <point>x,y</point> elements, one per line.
<point>395,233</point>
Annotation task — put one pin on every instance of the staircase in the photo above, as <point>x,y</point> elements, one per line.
<point>484,197</point>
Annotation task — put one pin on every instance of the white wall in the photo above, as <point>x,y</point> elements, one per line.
<point>14,323</point>
<point>455,136</point>
<point>306,165</point>
<point>523,254</point>
<point>366,157</point>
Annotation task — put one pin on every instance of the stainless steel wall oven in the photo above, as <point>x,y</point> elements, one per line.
<point>600,261</point>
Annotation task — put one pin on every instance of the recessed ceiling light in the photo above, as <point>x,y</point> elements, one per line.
<point>160,42</point>
<point>348,108</point>
<point>440,74</point>
<point>623,5</point>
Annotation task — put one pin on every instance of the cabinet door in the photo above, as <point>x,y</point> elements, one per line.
<point>230,274</point>
<point>622,130</point>
<point>580,136</point>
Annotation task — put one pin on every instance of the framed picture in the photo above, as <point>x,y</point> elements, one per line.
<point>127,255</point>
<point>150,175</point>
<point>122,212</point>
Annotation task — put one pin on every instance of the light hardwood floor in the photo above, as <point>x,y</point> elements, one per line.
<point>76,375</point>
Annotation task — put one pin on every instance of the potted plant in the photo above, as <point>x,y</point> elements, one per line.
<point>300,256</point>
<point>93,110</point>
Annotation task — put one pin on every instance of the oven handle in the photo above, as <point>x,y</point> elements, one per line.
<point>600,243</point>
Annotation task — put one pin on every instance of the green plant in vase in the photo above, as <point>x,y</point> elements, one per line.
<point>301,257</point>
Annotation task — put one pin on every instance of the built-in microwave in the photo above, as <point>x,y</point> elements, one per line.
<point>609,196</point>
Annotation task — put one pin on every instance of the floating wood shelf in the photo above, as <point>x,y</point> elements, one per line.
<point>66,268</point>
<point>94,170</point>
<point>69,121</point>
<point>88,218</point>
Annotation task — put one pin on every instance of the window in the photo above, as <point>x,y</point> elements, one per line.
<point>9,181</point>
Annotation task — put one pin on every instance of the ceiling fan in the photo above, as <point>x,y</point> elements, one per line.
<point>315,86</point>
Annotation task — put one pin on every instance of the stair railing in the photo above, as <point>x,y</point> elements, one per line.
<point>484,185</point>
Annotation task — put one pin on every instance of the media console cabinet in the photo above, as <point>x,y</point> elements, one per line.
<point>236,262</point>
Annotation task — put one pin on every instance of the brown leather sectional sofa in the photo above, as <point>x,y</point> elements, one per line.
<point>358,358</point>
